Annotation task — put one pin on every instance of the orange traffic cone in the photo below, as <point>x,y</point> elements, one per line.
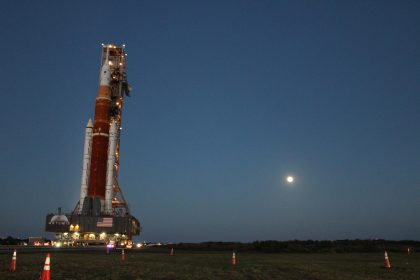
<point>45,275</point>
<point>387,263</point>
<point>172,252</point>
<point>12,266</point>
<point>233,258</point>
<point>122,255</point>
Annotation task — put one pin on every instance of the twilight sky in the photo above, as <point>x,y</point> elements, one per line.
<point>228,98</point>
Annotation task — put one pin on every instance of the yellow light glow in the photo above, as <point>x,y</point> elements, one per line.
<point>102,236</point>
<point>290,179</point>
<point>75,235</point>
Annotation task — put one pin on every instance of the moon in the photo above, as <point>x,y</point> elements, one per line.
<point>290,179</point>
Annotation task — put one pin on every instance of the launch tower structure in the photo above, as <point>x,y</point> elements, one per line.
<point>102,214</point>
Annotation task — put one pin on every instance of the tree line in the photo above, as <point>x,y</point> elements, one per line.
<point>305,246</point>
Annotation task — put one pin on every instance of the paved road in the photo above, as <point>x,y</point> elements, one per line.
<point>45,249</point>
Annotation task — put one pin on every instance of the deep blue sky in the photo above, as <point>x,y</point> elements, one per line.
<point>228,98</point>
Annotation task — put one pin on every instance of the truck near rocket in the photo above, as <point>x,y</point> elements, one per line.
<point>102,214</point>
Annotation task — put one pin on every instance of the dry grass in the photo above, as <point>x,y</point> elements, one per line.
<point>153,264</point>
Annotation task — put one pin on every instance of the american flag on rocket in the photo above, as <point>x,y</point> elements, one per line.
<point>106,222</point>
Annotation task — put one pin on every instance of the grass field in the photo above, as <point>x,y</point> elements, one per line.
<point>151,264</point>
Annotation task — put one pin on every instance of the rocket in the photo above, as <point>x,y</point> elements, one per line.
<point>86,163</point>
<point>102,210</point>
<point>100,136</point>
<point>99,151</point>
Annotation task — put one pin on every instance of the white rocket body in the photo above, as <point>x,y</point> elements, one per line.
<point>105,76</point>
<point>110,167</point>
<point>86,161</point>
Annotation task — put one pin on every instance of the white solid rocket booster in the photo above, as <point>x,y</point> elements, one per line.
<point>110,167</point>
<point>86,160</point>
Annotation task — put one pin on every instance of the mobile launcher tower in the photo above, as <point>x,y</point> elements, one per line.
<point>102,214</point>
